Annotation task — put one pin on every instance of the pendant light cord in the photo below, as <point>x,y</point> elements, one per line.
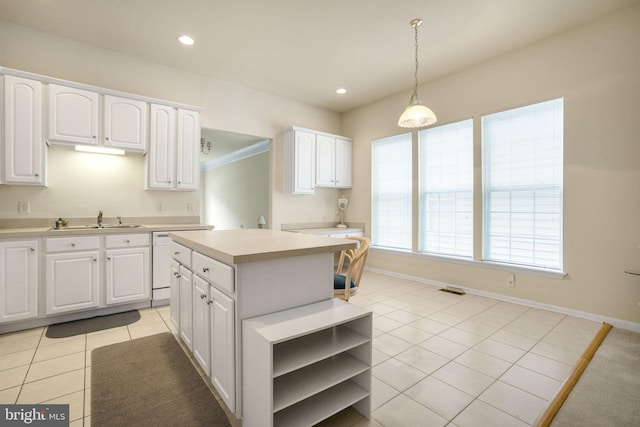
<point>414,96</point>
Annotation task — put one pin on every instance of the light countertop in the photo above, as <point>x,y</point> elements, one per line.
<point>48,232</point>
<point>239,246</point>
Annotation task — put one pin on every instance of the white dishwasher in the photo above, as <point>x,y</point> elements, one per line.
<point>161,277</point>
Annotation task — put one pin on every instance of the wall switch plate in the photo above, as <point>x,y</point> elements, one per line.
<point>189,207</point>
<point>511,280</point>
<point>159,207</point>
<point>24,207</point>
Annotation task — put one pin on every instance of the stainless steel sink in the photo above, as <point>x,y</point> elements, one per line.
<point>122,226</point>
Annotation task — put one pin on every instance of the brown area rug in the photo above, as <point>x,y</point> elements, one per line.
<point>150,382</point>
<point>98,323</point>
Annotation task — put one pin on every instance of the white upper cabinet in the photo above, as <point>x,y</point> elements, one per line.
<point>333,161</point>
<point>315,159</point>
<point>343,162</point>
<point>299,161</point>
<point>187,153</point>
<point>162,136</point>
<point>172,163</point>
<point>23,161</point>
<point>73,115</point>
<point>125,123</point>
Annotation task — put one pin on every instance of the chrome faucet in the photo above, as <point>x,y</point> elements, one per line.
<point>100,219</point>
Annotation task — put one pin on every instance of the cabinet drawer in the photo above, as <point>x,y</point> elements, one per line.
<point>218,274</point>
<point>180,253</point>
<point>74,243</point>
<point>127,240</point>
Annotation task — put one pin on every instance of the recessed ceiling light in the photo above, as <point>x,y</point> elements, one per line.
<point>341,91</point>
<point>185,40</point>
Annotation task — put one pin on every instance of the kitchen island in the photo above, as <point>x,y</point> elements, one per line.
<point>222,277</point>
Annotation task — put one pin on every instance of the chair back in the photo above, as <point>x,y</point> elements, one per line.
<point>357,258</point>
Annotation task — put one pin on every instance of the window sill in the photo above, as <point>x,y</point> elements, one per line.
<point>551,274</point>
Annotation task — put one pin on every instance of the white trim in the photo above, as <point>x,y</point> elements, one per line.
<point>241,154</point>
<point>617,323</point>
<point>551,274</point>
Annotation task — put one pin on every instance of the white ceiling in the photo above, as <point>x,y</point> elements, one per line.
<point>306,49</point>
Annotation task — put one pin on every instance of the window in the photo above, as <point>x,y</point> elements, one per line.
<point>391,192</point>
<point>446,189</point>
<point>522,185</point>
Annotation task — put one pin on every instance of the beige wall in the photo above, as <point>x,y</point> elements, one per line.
<point>595,67</point>
<point>237,193</point>
<point>73,192</point>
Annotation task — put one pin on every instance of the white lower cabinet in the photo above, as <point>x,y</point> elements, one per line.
<point>186,306</point>
<point>302,365</point>
<point>205,316</point>
<point>174,305</point>
<point>127,275</point>
<point>223,372</point>
<point>72,281</point>
<point>201,324</point>
<point>18,280</point>
<point>74,277</point>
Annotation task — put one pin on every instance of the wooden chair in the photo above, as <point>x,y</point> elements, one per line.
<point>357,258</point>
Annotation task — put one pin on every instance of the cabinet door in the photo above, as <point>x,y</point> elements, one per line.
<point>72,281</point>
<point>127,275</point>
<point>162,140</point>
<point>343,162</point>
<point>201,323</point>
<point>23,148</point>
<point>174,305</point>
<point>187,152</point>
<point>18,280</point>
<point>325,161</point>
<point>125,123</point>
<point>73,115</point>
<point>304,162</point>
<point>186,307</point>
<point>223,372</point>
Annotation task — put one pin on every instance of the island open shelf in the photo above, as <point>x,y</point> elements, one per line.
<point>305,364</point>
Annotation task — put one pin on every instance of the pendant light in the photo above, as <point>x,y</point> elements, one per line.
<point>416,115</point>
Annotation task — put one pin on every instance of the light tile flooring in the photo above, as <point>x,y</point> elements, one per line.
<point>439,359</point>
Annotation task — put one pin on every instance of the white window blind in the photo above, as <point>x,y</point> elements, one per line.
<point>522,185</point>
<point>391,192</point>
<point>446,189</point>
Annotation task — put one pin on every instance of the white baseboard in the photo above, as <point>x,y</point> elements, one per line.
<point>617,323</point>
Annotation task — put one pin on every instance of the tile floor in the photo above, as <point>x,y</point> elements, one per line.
<point>439,359</point>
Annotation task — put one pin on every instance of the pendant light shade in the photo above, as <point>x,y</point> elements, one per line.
<point>416,115</point>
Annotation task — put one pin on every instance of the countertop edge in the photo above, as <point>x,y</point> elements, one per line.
<point>9,233</point>
<point>229,258</point>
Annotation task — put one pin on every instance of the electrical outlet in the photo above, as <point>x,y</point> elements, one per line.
<point>24,207</point>
<point>189,207</point>
<point>511,280</point>
<point>159,207</point>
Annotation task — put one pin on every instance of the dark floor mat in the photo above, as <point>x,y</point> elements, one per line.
<point>77,327</point>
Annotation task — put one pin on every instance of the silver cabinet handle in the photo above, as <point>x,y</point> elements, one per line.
<point>95,260</point>
<point>127,241</point>
<point>108,258</point>
<point>205,269</point>
<point>36,175</point>
<point>176,253</point>
<point>32,249</point>
<point>73,245</point>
